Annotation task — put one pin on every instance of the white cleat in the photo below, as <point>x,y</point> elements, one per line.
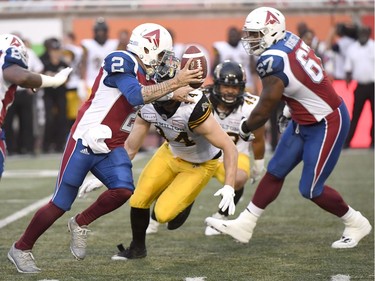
<point>241,229</point>
<point>153,226</point>
<point>354,231</point>
<point>210,231</point>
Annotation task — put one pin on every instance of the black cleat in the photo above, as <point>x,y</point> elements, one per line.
<point>129,253</point>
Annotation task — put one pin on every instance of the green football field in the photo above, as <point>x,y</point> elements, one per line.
<point>291,241</point>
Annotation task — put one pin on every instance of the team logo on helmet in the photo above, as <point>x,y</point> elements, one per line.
<point>15,42</point>
<point>271,18</point>
<point>153,37</point>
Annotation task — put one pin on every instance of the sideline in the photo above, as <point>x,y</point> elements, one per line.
<point>44,173</point>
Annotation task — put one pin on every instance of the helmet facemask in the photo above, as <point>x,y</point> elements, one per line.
<point>232,75</point>
<point>167,65</point>
<point>253,41</point>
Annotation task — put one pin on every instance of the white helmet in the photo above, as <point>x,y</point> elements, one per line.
<point>263,27</point>
<point>10,40</point>
<point>148,40</point>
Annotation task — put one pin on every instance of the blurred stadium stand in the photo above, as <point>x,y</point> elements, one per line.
<point>30,8</point>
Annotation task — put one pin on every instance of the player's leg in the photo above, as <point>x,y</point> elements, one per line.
<point>287,155</point>
<point>154,178</point>
<point>72,170</point>
<point>182,191</point>
<point>324,142</point>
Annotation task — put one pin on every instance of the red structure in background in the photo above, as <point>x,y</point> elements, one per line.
<point>361,137</point>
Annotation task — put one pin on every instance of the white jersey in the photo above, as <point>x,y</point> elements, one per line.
<point>74,77</point>
<point>177,129</point>
<point>231,123</point>
<point>237,54</point>
<point>95,55</point>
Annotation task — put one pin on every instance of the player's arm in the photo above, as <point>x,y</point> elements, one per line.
<point>213,132</point>
<point>136,137</point>
<point>20,76</point>
<point>273,88</point>
<point>258,144</point>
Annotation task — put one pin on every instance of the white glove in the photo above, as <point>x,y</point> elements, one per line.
<point>57,80</point>
<point>90,184</point>
<point>257,170</point>
<point>245,136</point>
<point>227,200</point>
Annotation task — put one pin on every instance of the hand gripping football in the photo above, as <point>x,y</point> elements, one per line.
<point>199,60</point>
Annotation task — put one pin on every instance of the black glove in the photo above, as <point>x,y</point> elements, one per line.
<point>282,123</point>
<point>245,136</point>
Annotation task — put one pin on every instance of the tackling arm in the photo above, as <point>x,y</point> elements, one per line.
<point>213,132</point>
<point>135,139</point>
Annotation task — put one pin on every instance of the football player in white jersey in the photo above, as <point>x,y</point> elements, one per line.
<point>231,104</point>
<point>96,142</point>
<point>94,51</point>
<point>233,50</point>
<point>13,73</point>
<point>290,71</point>
<point>180,168</point>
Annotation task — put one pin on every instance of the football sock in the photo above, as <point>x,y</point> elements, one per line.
<point>268,189</point>
<point>153,216</point>
<point>331,201</point>
<point>108,201</point>
<point>237,196</point>
<point>139,222</point>
<point>41,221</point>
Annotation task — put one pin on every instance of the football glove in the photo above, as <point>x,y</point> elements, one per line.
<point>282,123</point>
<point>90,184</point>
<point>57,80</point>
<point>257,170</point>
<point>227,200</point>
<point>245,136</point>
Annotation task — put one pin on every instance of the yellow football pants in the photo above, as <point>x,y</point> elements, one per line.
<point>172,182</point>
<point>242,164</point>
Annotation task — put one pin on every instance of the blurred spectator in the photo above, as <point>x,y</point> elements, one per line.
<point>232,49</point>
<point>94,51</point>
<point>123,39</point>
<point>339,40</point>
<point>359,66</point>
<point>55,131</point>
<point>308,36</point>
<point>19,121</point>
<point>73,56</point>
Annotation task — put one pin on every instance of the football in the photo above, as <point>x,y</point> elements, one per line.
<point>199,60</point>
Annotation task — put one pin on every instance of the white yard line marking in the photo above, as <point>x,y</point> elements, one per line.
<point>30,174</point>
<point>24,211</point>
<point>340,277</point>
<point>195,278</point>
<point>40,173</point>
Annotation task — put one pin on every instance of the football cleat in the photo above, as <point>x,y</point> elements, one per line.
<point>153,226</point>
<point>130,253</point>
<point>210,231</point>
<point>241,229</point>
<point>354,231</point>
<point>78,240</point>
<point>23,260</point>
